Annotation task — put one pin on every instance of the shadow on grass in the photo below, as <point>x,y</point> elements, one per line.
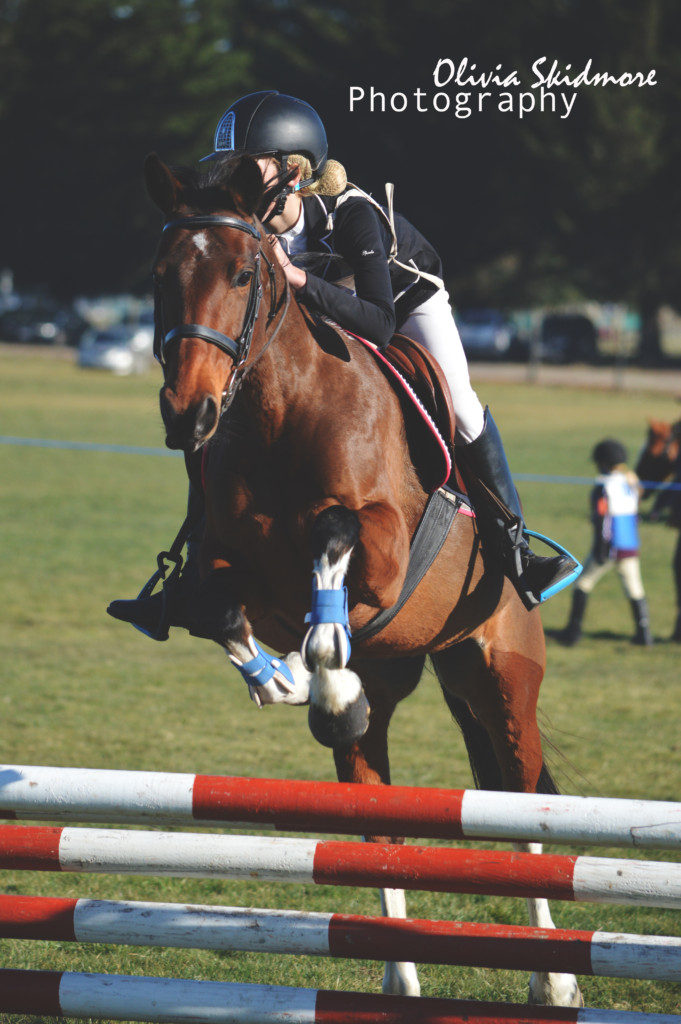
<point>608,634</point>
<point>602,634</point>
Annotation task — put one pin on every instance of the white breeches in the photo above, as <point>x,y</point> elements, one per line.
<point>432,324</point>
<point>629,570</point>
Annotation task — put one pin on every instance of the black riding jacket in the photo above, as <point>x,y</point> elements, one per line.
<point>385,294</point>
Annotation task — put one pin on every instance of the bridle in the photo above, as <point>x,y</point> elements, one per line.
<point>237,348</point>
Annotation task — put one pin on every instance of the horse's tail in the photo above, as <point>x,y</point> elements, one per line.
<point>483,761</point>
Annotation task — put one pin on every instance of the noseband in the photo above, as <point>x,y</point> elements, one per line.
<point>237,348</point>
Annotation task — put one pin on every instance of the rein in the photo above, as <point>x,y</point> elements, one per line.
<point>237,348</point>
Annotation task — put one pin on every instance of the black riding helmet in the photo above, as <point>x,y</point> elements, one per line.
<point>609,453</point>
<point>272,124</point>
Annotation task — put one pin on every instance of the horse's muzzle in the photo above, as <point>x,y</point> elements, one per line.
<point>188,428</point>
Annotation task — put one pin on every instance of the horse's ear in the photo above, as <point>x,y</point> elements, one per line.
<point>162,185</point>
<point>246,185</point>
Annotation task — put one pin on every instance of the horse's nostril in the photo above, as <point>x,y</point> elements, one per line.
<point>206,417</point>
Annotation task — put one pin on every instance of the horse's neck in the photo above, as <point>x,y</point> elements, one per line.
<point>278,388</point>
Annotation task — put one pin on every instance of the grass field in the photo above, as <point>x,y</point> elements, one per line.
<point>79,689</point>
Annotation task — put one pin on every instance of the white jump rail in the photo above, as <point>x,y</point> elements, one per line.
<point>133,797</point>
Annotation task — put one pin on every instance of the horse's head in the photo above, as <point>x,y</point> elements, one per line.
<point>208,287</point>
<point>660,451</point>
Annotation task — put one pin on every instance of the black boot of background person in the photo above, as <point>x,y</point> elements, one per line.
<point>642,636</point>
<point>174,604</point>
<point>572,633</point>
<point>676,565</point>
<point>487,476</point>
<point>676,633</point>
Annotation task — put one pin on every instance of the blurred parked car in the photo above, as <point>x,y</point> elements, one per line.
<point>568,338</point>
<point>486,333</point>
<point>41,325</point>
<point>125,348</point>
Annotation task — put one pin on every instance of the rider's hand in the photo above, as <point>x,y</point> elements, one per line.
<point>294,275</point>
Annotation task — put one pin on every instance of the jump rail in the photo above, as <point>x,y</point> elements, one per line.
<point>101,795</point>
<point>140,798</point>
<point>485,872</point>
<point>509,947</point>
<point>176,1001</point>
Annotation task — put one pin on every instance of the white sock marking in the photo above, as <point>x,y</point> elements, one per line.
<point>548,989</point>
<point>400,978</point>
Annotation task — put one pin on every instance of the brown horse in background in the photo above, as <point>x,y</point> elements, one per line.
<point>304,458</point>
<point>659,461</point>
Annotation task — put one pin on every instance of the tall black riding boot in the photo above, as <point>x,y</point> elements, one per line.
<point>643,637</point>
<point>490,485</point>
<point>676,632</point>
<point>572,633</point>
<point>173,605</point>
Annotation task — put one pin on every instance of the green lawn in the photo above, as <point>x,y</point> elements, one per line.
<point>79,689</point>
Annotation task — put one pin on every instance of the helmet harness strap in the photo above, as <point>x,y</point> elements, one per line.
<point>281,189</point>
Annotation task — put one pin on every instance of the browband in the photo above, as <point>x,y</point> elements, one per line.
<point>213,220</point>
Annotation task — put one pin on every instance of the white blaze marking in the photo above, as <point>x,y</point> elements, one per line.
<point>201,242</point>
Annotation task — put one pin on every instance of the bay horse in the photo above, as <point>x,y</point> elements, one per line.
<point>659,461</point>
<point>304,458</point>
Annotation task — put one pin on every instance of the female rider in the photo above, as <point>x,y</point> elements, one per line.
<point>397,286</point>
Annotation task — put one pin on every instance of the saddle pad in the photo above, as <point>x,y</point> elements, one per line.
<point>427,378</point>
<point>440,459</point>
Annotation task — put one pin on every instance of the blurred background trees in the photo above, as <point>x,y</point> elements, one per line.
<point>524,211</point>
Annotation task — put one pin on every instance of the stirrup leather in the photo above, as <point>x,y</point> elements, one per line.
<point>164,560</point>
<point>161,631</point>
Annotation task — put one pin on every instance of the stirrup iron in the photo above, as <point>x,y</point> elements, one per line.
<point>560,550</point>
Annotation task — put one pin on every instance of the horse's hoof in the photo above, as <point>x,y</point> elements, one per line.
<point>343,728</point>
<point>554,990</point>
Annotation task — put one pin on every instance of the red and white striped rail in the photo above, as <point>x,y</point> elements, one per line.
<point>247,929</point>
<point>99,795</point>
<point>177,1001</point>
<point>486,872</point>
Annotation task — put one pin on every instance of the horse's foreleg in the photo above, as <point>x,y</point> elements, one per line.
<point>270,680</point>
<point>339,712</point>
<point>366,761</point>
<point>376,538</point>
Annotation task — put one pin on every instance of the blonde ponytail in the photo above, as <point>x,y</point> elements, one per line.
<point>331,182</point>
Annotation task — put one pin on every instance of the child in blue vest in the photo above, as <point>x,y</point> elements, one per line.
<point>614,513</point>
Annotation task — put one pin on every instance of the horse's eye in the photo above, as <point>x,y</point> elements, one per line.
<point>243,278</point>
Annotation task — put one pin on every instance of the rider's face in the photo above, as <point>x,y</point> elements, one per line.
<point>270,172</point>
